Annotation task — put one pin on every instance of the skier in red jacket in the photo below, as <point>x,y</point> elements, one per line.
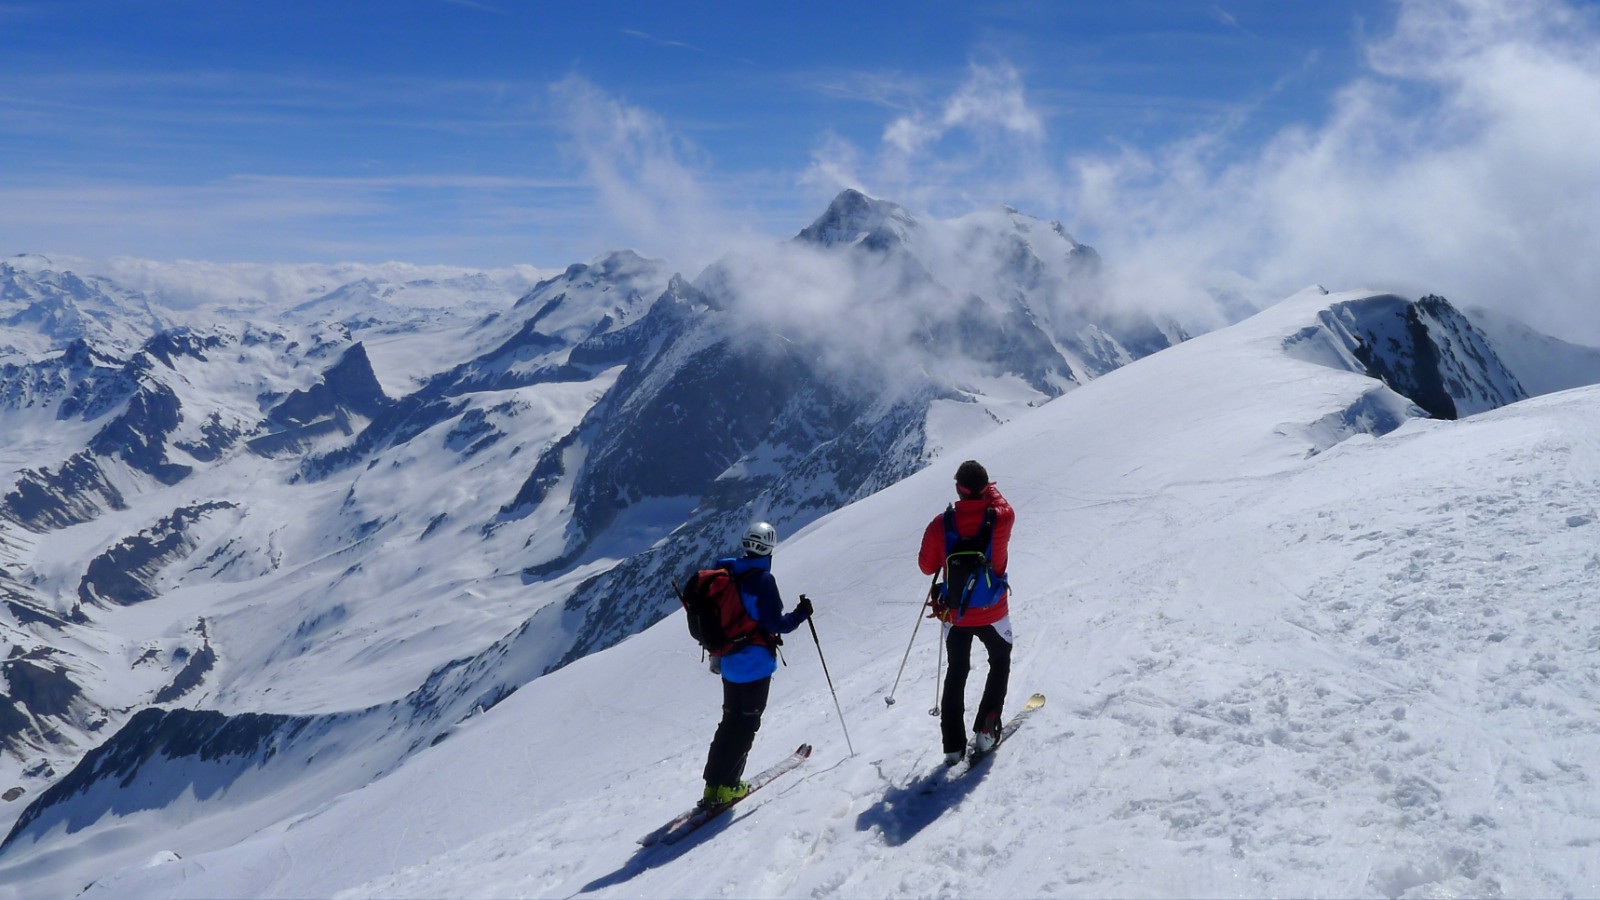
<point>972,603</point>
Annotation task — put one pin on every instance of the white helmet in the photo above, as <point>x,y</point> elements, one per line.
<point>759,539</point>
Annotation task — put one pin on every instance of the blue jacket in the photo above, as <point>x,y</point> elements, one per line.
<point>759,591</point>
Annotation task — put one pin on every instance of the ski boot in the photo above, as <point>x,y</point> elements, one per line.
<point>987,735</point>
<point>721,794</point>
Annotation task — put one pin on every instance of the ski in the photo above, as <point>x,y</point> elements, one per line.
<point>1011,726</point>
<point>680,827</point>
<point>975,759</point>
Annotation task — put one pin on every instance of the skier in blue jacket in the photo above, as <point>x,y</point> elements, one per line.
<point>747,672</point>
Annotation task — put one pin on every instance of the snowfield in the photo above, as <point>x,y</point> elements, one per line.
<point>1286,654</point>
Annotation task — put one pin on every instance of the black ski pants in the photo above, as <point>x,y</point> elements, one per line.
<point>742,706</point>
<point>958,644</point>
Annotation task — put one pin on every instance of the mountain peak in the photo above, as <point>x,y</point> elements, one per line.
<point>622,264</point>
<point>28,262</point>
<point>855,218</point>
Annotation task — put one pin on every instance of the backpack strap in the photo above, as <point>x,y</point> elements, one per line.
<point>761,636</point>
<point>985,535</point>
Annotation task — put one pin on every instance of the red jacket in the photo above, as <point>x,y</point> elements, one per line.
<point>969,518</point>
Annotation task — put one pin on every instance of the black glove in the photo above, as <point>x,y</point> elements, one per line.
<point>803,608</point>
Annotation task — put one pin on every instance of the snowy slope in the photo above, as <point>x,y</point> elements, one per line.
<point>156,548</point>
<point>1297,640</point>
<point>274,519</point>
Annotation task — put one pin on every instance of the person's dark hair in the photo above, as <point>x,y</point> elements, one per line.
<point>971,478</point>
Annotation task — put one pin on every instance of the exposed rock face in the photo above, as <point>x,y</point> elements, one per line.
<point>77,492</point>
<point>1425,351</point>
<point>125,574</point>
<point>348,385</point>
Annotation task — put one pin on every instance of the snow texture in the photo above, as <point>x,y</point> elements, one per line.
<point>346,590</point>
<point>1356,672</point>
<point>308,492</point>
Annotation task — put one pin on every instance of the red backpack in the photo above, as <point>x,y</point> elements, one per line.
<point>716,614</point>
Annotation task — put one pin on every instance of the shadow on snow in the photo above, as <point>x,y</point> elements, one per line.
<point>647,858</point>
<point>905,811</point>
<point>899,816</point>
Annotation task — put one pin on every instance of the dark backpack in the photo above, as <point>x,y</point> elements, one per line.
<point>969,580</point>
<point>716,614</point>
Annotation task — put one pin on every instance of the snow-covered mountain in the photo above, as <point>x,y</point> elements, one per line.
<point>257,564</point>
<point>270,289</point>
<point>41,309</point>
<point>259,516</point>
<point>384,305</point>
<point>1279,661</point>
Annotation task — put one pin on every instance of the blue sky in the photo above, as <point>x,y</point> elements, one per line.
<point>432,130</point>
<point>1445,145</point>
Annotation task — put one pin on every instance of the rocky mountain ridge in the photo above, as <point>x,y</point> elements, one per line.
<point>323,551</point>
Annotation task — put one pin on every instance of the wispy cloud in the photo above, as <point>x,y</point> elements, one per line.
<point>650,180</point>
<point>1227,18</point>
<point>198,95</point>
<point>481,7</point>
<point>1455,165</point>
<point>659,41</point>
<point>265,218</point>
<point>992,97</point>
<point>983,143</point>
<point>891,90</point>
<point>431,181</point>
<point>1461,161</point>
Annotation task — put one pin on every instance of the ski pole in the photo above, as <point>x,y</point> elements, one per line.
<point>938,668</point>
<point>889,700</point>
<point>825,674</point>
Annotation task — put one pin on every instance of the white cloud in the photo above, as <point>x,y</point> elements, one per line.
<point>835,164</point>
<point>648,178</point>
<point>1461,161</point>
<point>984,144</point>
<point>991,98</point>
